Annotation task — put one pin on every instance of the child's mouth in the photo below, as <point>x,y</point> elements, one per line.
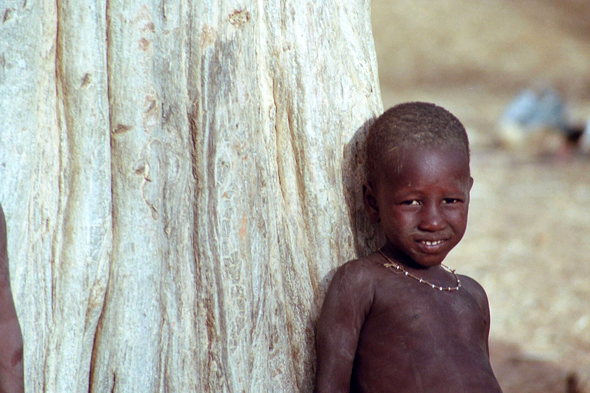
<point>431,243</point>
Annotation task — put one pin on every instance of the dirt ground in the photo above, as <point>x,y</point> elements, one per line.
<point>527,243</point>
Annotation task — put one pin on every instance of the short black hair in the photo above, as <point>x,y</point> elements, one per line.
<point>412,124</point>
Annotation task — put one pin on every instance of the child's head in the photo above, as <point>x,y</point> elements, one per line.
<point>419,180</point>
<point>412,124</point>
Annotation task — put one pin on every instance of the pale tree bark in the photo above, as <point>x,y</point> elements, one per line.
<point>180,179</point>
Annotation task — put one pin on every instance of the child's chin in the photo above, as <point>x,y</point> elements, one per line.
<point>430,260</point>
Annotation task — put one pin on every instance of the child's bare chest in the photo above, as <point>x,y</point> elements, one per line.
<point>415,333</point>
<point>404,308</point>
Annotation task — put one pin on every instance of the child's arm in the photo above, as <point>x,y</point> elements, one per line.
<point>346,304</point>
<point>11,346</point>
<point>479,294</point>
<point>11,342</point>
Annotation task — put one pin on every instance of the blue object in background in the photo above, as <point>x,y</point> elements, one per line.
<point>531,110</point>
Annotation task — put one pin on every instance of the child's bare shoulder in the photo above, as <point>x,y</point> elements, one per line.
<point>354,282</point>
<point>360,271</point>
<point>476,290</point>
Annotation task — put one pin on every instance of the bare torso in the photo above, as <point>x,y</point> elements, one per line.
<point>411,337</point>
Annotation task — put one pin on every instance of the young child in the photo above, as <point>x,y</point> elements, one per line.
<point>399,320</point>
<point>11,342</point>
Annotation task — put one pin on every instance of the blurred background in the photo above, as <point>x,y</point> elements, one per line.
<point>517,74</point>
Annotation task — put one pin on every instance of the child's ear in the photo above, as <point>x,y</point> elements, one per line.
<point>371,202</point>
<point>470,183</point>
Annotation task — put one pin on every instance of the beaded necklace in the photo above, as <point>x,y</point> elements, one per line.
<point>397,267</point>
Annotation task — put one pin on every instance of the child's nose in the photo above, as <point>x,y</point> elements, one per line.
<point>432,218</point>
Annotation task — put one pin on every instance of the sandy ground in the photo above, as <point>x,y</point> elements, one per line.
<point>527,243</point>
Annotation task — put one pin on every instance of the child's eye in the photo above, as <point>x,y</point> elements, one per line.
<point>449,201</point>
<point>412,202</point>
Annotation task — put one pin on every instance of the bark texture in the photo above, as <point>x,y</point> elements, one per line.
<point>180,178</point>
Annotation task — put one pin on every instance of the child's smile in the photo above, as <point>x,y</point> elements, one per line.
<point>422,199</point>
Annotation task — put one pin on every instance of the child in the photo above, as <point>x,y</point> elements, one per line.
<point>398,320</point>
<point>11,342</point>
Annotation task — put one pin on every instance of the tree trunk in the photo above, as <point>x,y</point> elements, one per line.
<point>179,179</point>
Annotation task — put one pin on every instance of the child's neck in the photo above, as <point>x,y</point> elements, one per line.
<point>401,258</point>
<point>421,277</point>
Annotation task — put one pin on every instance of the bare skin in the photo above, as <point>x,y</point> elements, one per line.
<point>11,342</point>
<point>382,331</point>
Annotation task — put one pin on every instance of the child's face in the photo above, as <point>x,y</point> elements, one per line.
<point>422,202</point>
